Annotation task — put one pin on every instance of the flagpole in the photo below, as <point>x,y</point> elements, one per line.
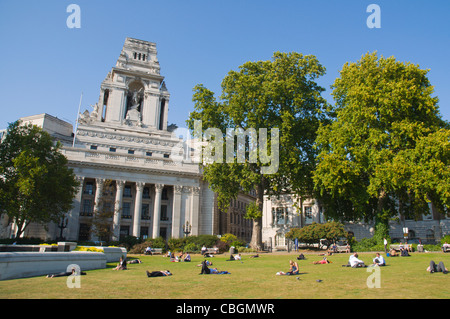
<point>76,123</point>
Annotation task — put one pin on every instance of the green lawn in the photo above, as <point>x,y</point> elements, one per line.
<point>403,277</point>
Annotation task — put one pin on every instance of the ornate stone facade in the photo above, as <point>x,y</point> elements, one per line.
<point>121,153</point>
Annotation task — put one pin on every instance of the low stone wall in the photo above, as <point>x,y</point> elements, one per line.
<point>30,264</point>
<point>113,254</point>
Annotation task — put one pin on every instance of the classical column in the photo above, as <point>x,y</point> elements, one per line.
<point>176,216</point>
<point>74,215</point>
<point>138,209</point>
<point>195,210</point>
<point>157,210</point>
<point>117,209</point>
<point>165,112</point>
<point>99,183</point>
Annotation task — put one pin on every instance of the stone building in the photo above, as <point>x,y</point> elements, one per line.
<point>288,211</point>
<point>127,160</point>
<point>233,221</point>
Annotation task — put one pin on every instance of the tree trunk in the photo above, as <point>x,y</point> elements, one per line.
<point>256,242</point>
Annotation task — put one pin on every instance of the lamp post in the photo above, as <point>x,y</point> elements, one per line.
<point>187,228</point>
<point>62,224</point>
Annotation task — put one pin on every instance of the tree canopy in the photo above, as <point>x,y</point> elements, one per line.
<point>36,185</point>
<point>280,96</point>
<point>387,148</point>
<point>313,233</point>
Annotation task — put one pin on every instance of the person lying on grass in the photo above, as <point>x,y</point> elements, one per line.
<point>160,273</point>
<point>208,271</point>
<point>323,261</point>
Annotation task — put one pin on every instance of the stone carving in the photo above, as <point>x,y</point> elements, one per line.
<point>133,116</point>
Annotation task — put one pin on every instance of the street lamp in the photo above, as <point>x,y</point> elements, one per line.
<point>62,225</point>
<point>187,229</point>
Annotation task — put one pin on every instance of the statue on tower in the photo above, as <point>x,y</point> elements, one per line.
<point>133,115</point>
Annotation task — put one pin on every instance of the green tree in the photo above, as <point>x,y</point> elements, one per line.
<point>36,185</point>
<point>312,234</point>
<point>279,94</point>
<point>386,145</point>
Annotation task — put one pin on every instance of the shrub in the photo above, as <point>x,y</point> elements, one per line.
<point>192,248</point>
<point>237,243</point>
<point>91,249</point>
<point>246,250</point>
<point>228,238</point>
<point>207,240</point>
<point>176,244</point>
<point>152,242</point>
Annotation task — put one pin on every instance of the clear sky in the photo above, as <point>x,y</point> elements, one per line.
<point>45,66</point>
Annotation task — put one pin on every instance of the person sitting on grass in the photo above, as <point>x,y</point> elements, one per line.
<point>301,257</point>
<point>187,258</point>
<point>379,260</point>
<point>293,269</point>
<point>355,262</point>
<point>159,273</point>
<point>122,264</point>
<point>207,262</point>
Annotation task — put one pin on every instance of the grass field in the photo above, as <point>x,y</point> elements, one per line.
<point>403,277</point>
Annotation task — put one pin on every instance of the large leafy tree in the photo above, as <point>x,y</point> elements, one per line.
<point>387,148</point>
<point>36,185</point>
<point>279,94</point>
<point>314,233</point>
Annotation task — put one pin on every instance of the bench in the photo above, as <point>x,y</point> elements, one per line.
<point>343,249</point>
<point>214,250</point>
<point>339,249</point>
<point>155,251</point>
<point>446,249</point>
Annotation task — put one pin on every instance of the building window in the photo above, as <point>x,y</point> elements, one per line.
<point>164,195</point>
<point>148,153</point>
<point>144,232</point>
<point>89,188</point>
<point>126,210</point>
<point>124,231</point>
<point>164,216</point>
<point>112,149</point>
<point>93,147</point>
<point>131,152</point>
<point>87,207</point>
<point>280,215</point>
<point>127,191</point>
<point>146,192</point>
<point>430,236</point>
<point>308,215</point>
<point>84,232</point>
<point>145,212</point>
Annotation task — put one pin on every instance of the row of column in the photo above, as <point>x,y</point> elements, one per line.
<point>191,212</point>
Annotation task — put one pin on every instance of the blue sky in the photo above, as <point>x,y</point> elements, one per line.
<point>45,65</point>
